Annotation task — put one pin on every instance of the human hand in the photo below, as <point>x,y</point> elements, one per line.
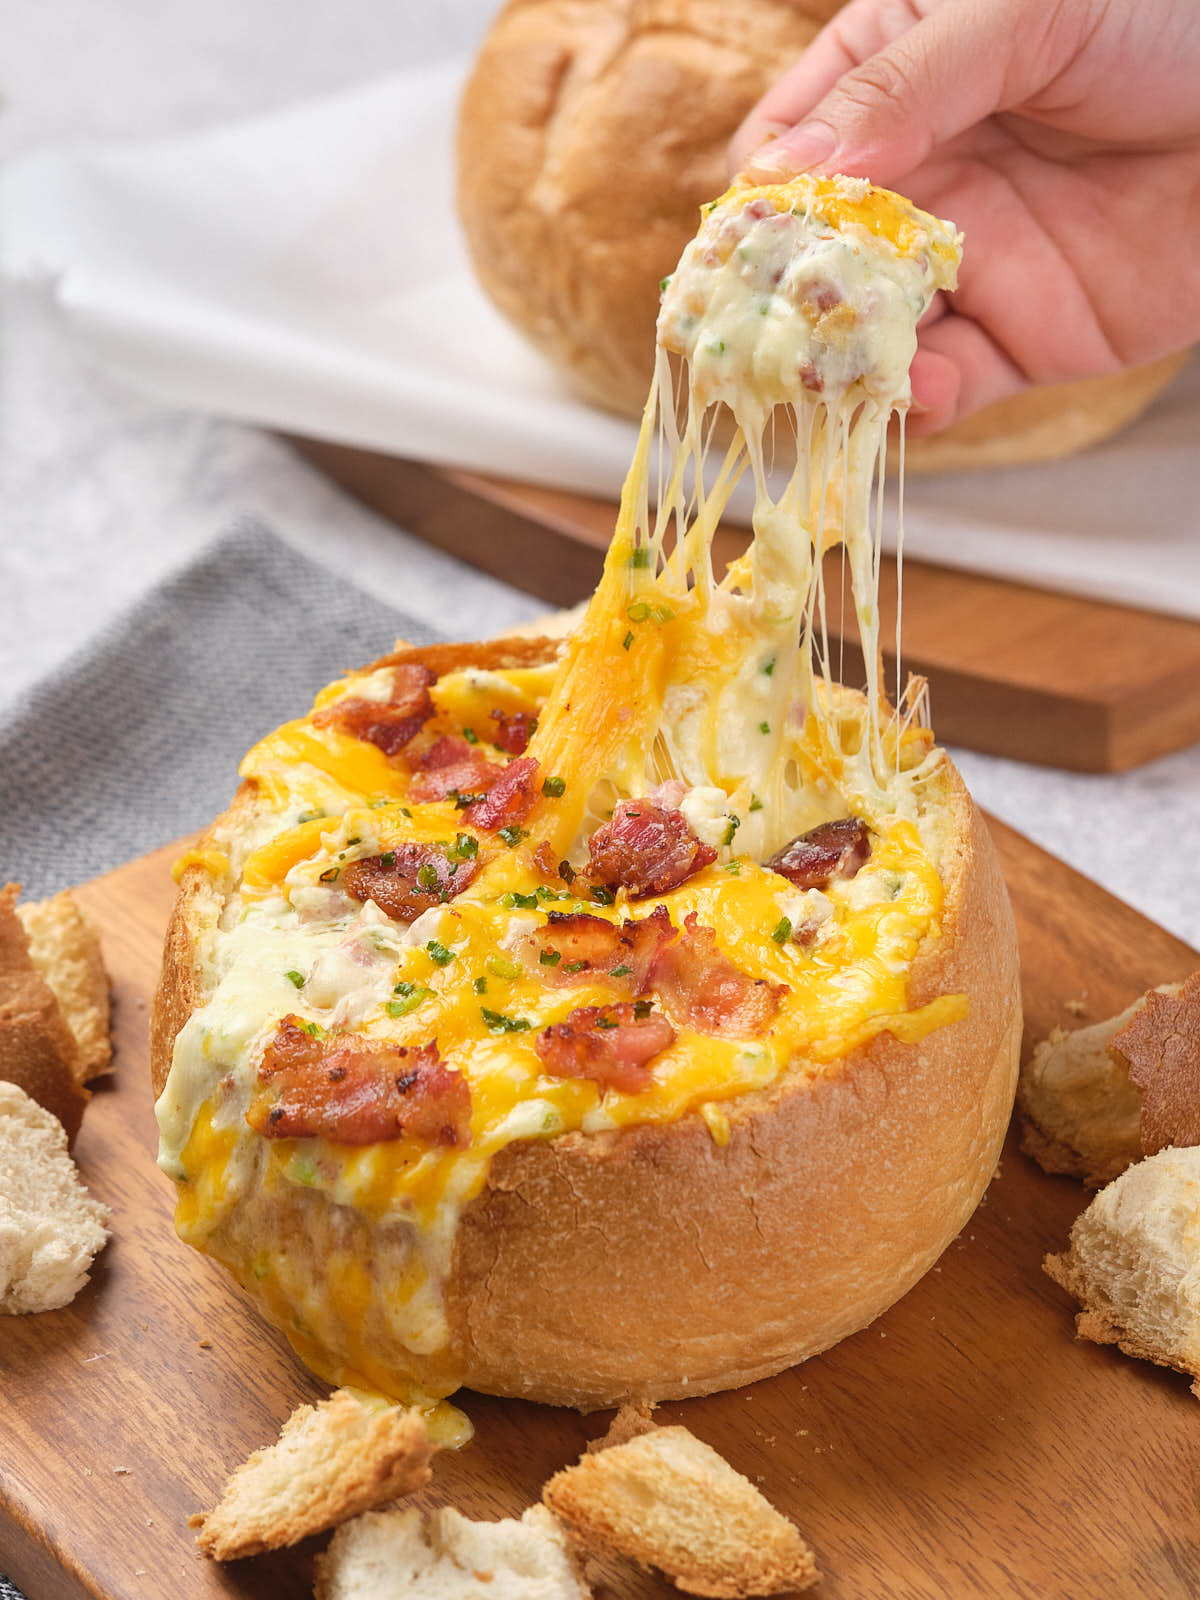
<point>1061,136</point>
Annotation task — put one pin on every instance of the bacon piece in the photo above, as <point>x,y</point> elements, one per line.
<point>357,1091</point>
<point>589,948</point>
<point>452,766</point>
<point>510,798</point>
<point>646,848</point>
<point>703,990</point>
<point>408,879</point>
<point>816,858</point>
<point>389,723</point>
<point>609,1044</point>
<point>513,730</point>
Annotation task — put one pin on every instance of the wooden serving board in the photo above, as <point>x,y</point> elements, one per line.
<point>1014,671</point>
<point>963,1446</point>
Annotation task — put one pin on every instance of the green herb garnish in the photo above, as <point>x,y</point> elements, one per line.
<point>497,1022</point>
<point>502,967</point>
<point>512,835</point>
<point>295,977</point>
<point>550,958</point>
<point>554,787</point>
<point>782,931</point>
<point>438,953</point>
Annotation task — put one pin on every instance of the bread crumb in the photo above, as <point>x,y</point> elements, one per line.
<point>331,1462</point>
<point>666,1500</point>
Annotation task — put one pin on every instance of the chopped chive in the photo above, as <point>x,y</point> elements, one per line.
<point>512,835</point>
<point>411,996</point>
<point>466,846</point>
<point>330,875</point>
<point>554,787</point>
<point>755,803</point>
<point>405,812</point>
<point>626,641</point>
<point>526,902</point>
<point>575,966</point>
<point>497,1022</point>
<point>295,977</point>
<point>764,727</point>
<point>734,824</point>
<point>357,839</point>
<point>550,958</point>
<point>464,798</point>
<point>717,347</point>
<point>470,735</point>
<point>606,1022</point>
<point>603,896</point>
<point>638,611</point>
<point>641,1009</point>
<point>782,931</point>
<point>662,614</point>
<point>620,972</point>
<point>663,282</point>
<point>480,985</point>
<point>734,868</point>
<point>438,953</point>
<point>769,666</point>
<point>313,1029</point>
<point>427,877</point>
<point>502,967</point>
<point>311,816</point>
<point>388,858</point>
<point>640,557</point>
<point>566,872</point>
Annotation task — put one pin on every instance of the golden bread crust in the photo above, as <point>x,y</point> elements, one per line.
<point>652,1263</point>
<point>589,135</point>
<point>38,1051</point>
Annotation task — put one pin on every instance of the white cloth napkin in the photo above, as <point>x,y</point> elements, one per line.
<point>305,271</point>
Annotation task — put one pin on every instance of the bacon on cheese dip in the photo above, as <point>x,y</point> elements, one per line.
<point>466,905</point>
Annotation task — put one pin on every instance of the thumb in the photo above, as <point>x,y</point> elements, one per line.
<point>961,63</point>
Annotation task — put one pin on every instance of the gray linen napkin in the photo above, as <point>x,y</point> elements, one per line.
<point>136,738</point>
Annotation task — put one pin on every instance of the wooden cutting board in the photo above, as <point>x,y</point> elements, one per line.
<point>1014,671</point>
<point>963,1446</point>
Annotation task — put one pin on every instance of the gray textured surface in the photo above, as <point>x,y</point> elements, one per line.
<point>136,739</point>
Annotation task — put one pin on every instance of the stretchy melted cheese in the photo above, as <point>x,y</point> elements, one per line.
<point>795,308</point>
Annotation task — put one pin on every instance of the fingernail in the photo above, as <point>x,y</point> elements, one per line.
<point>796,150</point>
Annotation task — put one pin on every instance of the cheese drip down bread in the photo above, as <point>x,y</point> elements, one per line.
<point>635,1016</point>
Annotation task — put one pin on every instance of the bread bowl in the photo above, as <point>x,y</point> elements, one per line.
<point>708,991</point>
<point>589,133</point>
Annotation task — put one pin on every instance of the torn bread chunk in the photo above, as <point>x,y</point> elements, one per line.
<point>65,948</point>
<point>1081,1113</point>
<point>50,1227</point>
<point>1134,1262</point>
<point>387,1555</point>
<point>331,1462</point>
<point>38,1051</point>
<point>666,1500</point>
<point>1160,1048</point>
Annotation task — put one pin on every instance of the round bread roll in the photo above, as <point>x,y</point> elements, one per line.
<point>647,1261</point>
<point>590,133</point>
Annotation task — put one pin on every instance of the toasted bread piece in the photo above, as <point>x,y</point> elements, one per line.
<point>37,1049</point>
<point>1160,1048</point>
<point>65,948</point>
<point>50,1227</point>
<point>1134,1262</point>
<point>667,1500</point>
<point>386,1555</point>
<point>630,1422</point>
<point>331,1462</point>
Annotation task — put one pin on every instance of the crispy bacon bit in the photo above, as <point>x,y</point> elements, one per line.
<point>351,1090</point>
<point>612,1045</point>
<point>452,766</point>
<point>816,858</point>
<point>582,948</point>
<point>513,731</point>
<point>510,798</point>
<point>408,879</point>
<point>389,723</point>
<point>703,990</point>
<point>546,859</point>
<point>646,848</point>
<point>1162,1048</point>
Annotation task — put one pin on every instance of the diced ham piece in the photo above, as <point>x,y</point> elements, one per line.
<point>357,1091</point>
<point>408,880</point>
<point>816,858</point>
<point>452,766</point>
<point>509,799</point>
<point>389,723</point>
<point>703,990</point>
<point>513,730</point>
<point>612,1045</point>
<point>589,948</point>
<point>646,849</point>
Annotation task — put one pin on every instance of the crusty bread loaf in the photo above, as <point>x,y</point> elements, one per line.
<point>392,1555</point>
<point>50,1227</point>
<point>590,133</point>
<point>330,1462</point>
<point>665,1499</point>
<point>65,948</point>
<point>1159,1046</point>
<point>1134,1262</point>
<point>38,1051</point>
